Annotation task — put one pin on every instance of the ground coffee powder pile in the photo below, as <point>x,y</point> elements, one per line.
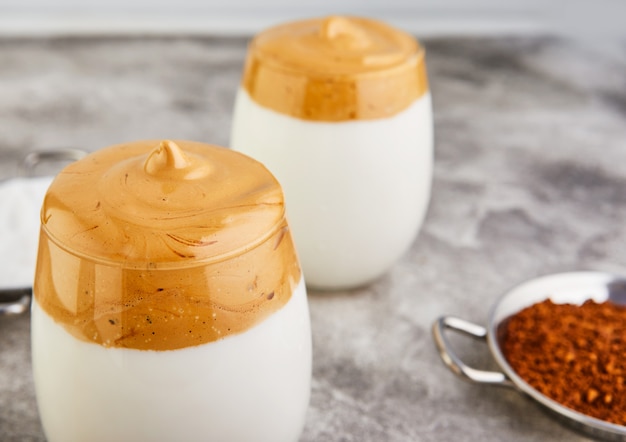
<point>574,354</point>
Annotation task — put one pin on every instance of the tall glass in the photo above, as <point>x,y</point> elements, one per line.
<point>339,110</point>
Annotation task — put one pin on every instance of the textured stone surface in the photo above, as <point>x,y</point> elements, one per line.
<point>529,179</point>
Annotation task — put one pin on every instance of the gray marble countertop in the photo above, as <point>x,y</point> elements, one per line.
<point>529,179</point>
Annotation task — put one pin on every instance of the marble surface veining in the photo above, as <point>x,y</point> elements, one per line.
<point>530,178</point>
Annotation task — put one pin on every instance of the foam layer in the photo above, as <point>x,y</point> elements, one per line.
<point>163,245</point>
<point>335,69</point>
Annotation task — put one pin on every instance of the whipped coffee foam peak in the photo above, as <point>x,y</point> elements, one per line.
<point>334,69</point>
<point>163,203</point>
<point>162,245</point>
<point>342,32</point>
<point>169,159</point>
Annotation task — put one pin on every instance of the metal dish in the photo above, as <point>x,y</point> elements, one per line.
<point>575,288</point>
<point>15,301</point>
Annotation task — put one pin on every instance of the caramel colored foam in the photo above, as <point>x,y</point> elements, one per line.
<point>335,69</point>
<point>153,246</point>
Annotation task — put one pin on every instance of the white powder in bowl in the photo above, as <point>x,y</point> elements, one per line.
<point>20,204</point>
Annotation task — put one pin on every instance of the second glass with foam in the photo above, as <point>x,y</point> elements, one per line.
<point>339,110</point>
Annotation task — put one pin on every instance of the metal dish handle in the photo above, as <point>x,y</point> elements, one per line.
<point>453,362</point>
<point>17,301</point>
<point>33,159</point>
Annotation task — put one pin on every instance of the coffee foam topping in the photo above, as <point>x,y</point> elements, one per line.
<point>335,69</point>
<point>163,245</point>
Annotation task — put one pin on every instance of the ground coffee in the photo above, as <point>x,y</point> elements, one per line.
<point>574,354</point>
